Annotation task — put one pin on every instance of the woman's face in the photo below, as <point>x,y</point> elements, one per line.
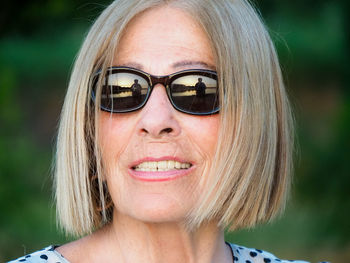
<point>159,41</point>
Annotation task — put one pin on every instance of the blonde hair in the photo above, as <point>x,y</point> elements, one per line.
<point>250,176</point>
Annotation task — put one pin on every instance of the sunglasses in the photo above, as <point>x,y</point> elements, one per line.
<point>124,89</point>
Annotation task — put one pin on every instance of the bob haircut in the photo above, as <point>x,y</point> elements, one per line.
<point>250,173</point>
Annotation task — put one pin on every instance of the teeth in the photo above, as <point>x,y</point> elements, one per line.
<point>170,164</point>
<point>161,166</point>
<point>177,165</point>
<point>152,165</point>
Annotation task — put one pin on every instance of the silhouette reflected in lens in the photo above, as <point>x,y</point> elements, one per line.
<point>125,91</point>
<point>195,93</point>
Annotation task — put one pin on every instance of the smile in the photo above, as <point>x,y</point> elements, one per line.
<point>161,166</point>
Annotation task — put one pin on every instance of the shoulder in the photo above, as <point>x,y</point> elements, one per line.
<point>251,255</point>
<point>48,254</point>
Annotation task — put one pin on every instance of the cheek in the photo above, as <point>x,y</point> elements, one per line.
<point>204,131</point>
<point>114,133</point>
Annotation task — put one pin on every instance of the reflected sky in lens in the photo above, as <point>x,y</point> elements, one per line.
<point>126,80</point>
<point>191,80</point>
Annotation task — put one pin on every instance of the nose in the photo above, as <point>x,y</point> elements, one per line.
<point>158,116</point>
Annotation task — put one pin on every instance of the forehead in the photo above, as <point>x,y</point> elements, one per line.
<point>159,39</point>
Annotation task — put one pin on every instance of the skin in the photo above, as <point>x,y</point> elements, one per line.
<point>148,219</point>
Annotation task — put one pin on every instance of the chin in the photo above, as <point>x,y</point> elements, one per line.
<point>155,209</point>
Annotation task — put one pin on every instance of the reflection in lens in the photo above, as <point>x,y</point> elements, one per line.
<point>124,91</point>
<point>195,93</point>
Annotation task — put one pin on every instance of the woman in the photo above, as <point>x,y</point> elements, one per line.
<point>158,174</point>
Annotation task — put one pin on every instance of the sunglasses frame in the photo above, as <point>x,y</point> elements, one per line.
<point>153,80</point>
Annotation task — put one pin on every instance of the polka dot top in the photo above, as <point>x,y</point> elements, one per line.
<point>239,255</point>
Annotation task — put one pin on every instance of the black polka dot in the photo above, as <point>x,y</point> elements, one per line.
<point>248,261</point>
<point>260,251</point>
<point>44,257</point>
<point>240,247</point>
<point>22,260</point>
<point>28,256</point>
<point>238,251</point>
<point>267,260</point>
<point>235,258</point>
<point>253,254</point>
<point>277,259</point>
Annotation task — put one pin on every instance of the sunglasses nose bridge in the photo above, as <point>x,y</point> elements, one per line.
<point>159,80</point>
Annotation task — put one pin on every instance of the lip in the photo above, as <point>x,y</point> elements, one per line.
<point>160,176</point>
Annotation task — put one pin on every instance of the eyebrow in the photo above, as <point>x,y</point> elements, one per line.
<point>132,65</point>
<point>179,64</point>
<point>184,63</point>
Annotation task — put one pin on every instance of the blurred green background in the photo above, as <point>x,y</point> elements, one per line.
<point>38,43</point>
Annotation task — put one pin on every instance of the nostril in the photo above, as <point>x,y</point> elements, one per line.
<point>166,130</point>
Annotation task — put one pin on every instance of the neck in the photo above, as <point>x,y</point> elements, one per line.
<point>129,240</point>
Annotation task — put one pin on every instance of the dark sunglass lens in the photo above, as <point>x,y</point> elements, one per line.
<point>197,94</point>
<point>123,91</point>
